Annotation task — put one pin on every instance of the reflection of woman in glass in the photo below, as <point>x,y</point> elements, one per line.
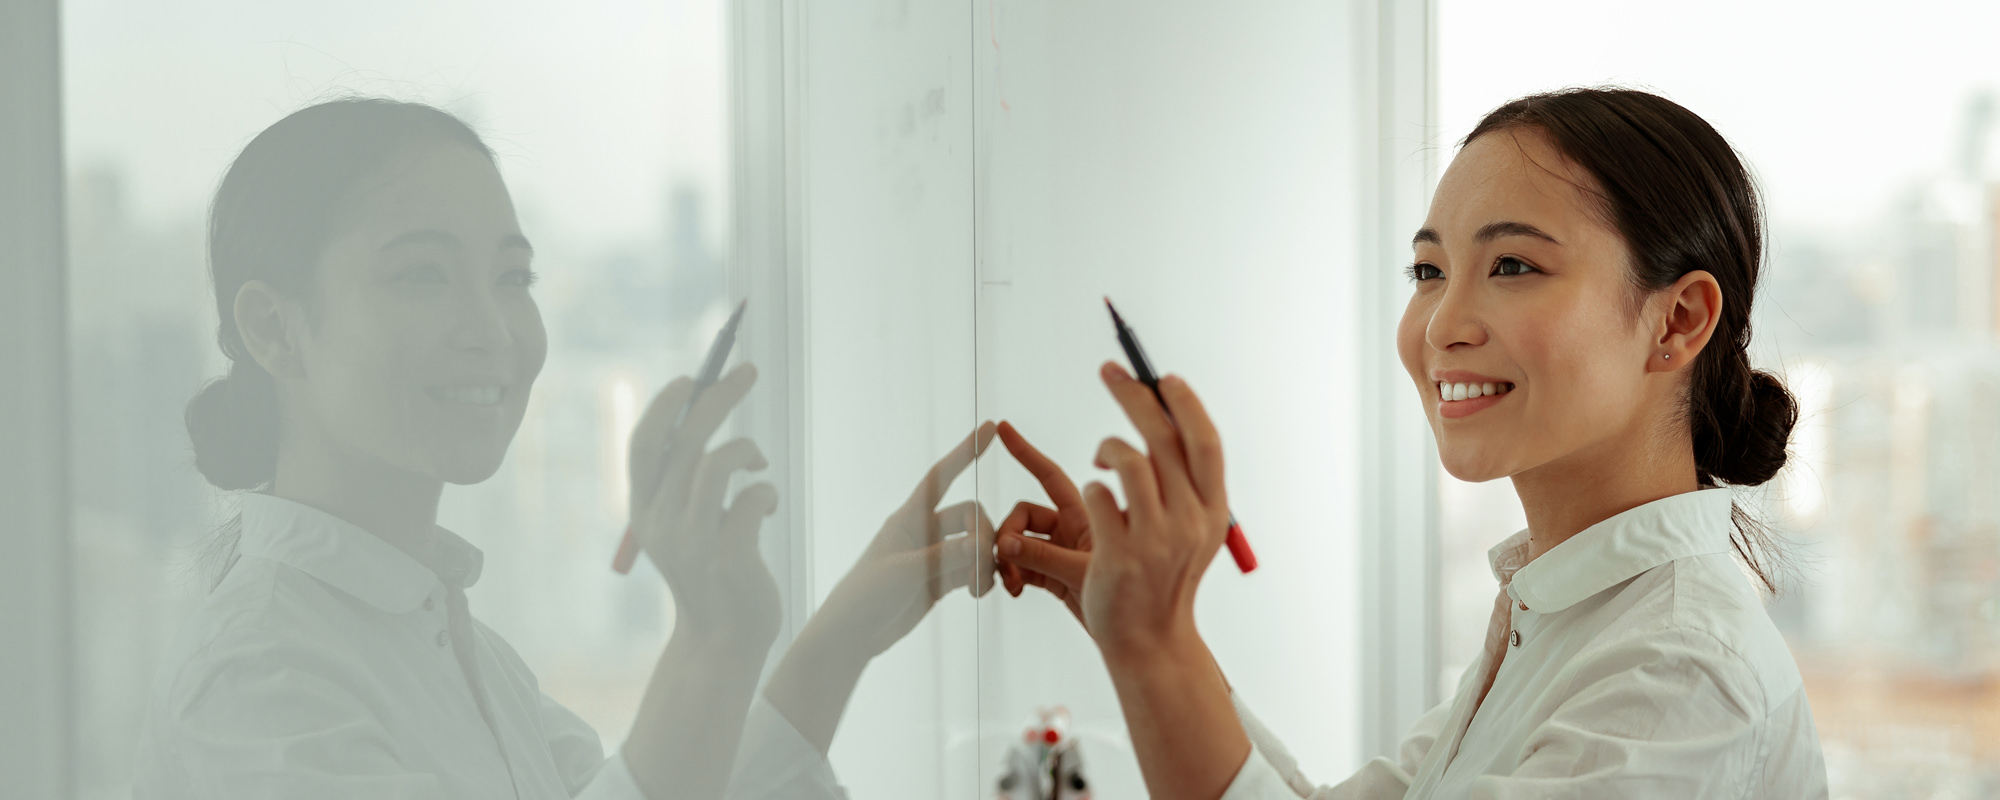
<point>1583,287</point>
<point>373,288</point>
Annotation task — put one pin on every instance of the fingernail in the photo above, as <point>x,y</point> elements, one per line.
<point>1010,547</point>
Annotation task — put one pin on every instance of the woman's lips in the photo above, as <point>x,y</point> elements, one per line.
<point>1457,400</point>
<point>1460,409</point>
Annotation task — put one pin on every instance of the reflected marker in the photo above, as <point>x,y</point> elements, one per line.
<point>711,371</point>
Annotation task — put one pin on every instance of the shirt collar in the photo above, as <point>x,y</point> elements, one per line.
<point>351,559</point>
<point>1610,552</point>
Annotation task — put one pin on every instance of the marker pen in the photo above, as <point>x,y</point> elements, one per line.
<point>1239,547</point>
<point>711,371</point>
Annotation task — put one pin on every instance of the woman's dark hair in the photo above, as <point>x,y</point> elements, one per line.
<point>1683,200</point>
<point>276,209</point>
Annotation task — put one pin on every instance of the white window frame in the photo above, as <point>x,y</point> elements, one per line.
<point>1397,158</point>
<point>37,738</point>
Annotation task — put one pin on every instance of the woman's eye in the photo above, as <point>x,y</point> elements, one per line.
<point>523,278</point>
<point>1420,272</point>
<point>1509,265</point>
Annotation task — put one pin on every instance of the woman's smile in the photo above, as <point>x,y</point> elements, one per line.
<point>1462,394</point>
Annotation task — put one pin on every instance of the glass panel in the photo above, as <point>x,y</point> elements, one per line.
<point>956,188</point>
<point>888,245</point>
<point>609,128</point>
<point>1877,308</point>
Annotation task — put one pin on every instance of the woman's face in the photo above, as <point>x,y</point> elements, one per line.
<point>1523,298</point>
<point>425,340</point>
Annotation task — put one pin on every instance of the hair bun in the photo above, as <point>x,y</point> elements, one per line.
<point>233,424</point>
<point>1757,441</point>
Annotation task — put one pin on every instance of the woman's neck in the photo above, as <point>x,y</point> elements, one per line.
<point>1565,496</point>
<point>398,507</point>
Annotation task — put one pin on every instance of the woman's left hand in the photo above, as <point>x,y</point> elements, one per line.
<point>916,559</point>
<point>1149,557</point>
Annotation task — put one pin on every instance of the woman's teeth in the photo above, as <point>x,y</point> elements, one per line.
<point>1467,391</point>
<point>474,395</point>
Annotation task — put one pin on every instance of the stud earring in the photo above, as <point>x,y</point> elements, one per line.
<point>1666,356</point>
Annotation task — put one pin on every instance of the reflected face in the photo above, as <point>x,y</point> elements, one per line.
<point>1520,335</point>
<point>425,339</point>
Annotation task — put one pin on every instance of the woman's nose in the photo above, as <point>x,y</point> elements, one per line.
<point>480,326</point>
<point>1456,320</point>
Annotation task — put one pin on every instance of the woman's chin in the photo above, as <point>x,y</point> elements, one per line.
<point>1471,467</point>
<point>465,469</point>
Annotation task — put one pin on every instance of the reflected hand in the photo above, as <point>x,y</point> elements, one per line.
<point>1149,558</point>
<point>709,555</point>
<point>910,565</point>
<point>1058,563</point>
<point>915,560</point>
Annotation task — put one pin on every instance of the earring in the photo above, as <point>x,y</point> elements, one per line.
<point>1666,356</point>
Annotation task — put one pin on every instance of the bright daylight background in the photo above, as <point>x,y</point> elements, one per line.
<point>1872,130</point>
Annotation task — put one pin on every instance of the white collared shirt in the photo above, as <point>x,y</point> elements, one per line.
<point>1635,660</point>
<point>327,664</point>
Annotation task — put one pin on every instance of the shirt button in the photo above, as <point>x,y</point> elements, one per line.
<point>1524,606</point>
<point>1513,638</point>
<point>444,637</point>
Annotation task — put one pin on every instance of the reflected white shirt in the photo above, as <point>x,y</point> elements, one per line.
<point>327,663</point>
<point>1645,666</point>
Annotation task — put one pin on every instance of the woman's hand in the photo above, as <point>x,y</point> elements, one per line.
<point>1138,592</point>
<point>723,591</point>
<point>1059,562</point>
<point>1149,558</point>
<point>915,559</point>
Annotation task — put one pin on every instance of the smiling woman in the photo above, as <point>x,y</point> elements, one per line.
<point>1583,287</point>
<point>373,289</point>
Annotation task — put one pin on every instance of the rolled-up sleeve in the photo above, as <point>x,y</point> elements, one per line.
<point>777,763</point>
<point>1271,773</point>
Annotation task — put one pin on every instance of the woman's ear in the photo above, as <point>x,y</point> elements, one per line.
<point>272,327</point>
<point>1692,306</point>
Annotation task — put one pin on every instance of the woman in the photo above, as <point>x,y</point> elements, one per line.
<point>372,284</point>
<point>1584,282</point>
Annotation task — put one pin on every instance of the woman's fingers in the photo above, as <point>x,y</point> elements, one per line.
<point>712,477</point>
<point>1162,439</point>
<point>1043,558</point>
<point>1135,473</point>
<point>647,449</point>
<point>1060,489</point>
<point>712,407</point>
<point>971,555</point>
<point>931,489</point>
<point>1106,519</point>
<point>1199,439</point>
<point>746,513</point>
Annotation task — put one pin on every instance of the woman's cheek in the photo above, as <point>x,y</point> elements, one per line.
<point>533,343</point>
<point>1410,336</point>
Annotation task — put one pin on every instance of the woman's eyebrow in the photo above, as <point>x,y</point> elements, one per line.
<point>425,236</point>
<point>1495,230</point>
<point>1487,233</point>
<point>512,241</point>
